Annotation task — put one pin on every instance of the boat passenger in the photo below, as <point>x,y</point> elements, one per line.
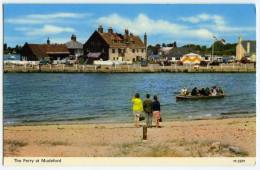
<point>184,91</point>
<point>202,91</point>
<point>137,108</point>
<point>194,92</point>
<point>214,92</point>
<point>156,108</point>
<point>216,89</point>
<point>220,91</point>
<point>207,91</point>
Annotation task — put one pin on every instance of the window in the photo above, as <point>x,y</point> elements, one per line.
<point>115,41</point>
<point>123,50</point>
<point>137,50</point>
<point>206,58</point>
<point>119,50</point>
<point>114,58</point>
<point>133,50</point>
<point>142,50</point>
<point>133,42</point>
<point>113,50</point>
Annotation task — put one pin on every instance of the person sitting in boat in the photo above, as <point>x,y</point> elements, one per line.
<point>202,91</point>
<point>207,91</point>
<point>194,91</point>
<point>220,91</point>
<point>214,91</point>
<point>184,91</point>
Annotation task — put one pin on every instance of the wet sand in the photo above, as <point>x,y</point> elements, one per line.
<point>179,138</point>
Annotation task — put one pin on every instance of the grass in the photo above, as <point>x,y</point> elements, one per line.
<point>14,144</point>
<point>52,143</point>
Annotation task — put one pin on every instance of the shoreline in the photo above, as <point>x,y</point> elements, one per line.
<point>130,121</point>
<point>178,138</point>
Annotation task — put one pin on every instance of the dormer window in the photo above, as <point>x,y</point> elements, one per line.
<point>115,41</point>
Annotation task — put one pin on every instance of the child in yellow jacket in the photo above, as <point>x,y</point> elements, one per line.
<point>137,108</point>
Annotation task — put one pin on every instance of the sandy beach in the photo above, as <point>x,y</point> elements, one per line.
<point>178,138</point>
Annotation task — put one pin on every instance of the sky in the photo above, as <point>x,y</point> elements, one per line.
<point>163,23</point>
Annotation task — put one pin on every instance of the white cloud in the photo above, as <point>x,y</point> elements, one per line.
<point>203,18</point>
<point>45,30</point>
<point>45,18</point>
<point>218,23</point>
<point>142,24</point>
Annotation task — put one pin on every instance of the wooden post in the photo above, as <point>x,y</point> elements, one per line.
<point>145,132</point>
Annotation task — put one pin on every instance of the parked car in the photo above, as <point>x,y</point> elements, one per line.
<point>46,62</point>
<point>245,60</point>
<point>165,63</point>
<point>203,63</point>
<point>214,63</point>
<point>65,61</point>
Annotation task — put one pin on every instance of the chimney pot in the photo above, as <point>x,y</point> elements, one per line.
<point>73,37</point>
<point>110,30</point>
<point>48,41</point>
<point>100,29</point>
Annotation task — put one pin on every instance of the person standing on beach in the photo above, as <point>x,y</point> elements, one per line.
<point>156,110</point>
<point>147,105</point>
<point>137,108</point>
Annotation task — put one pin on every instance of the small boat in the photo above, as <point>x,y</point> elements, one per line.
<point>12,57</point>
<point>185,97</point>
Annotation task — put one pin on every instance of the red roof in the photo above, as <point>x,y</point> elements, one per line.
<point>43,50</point>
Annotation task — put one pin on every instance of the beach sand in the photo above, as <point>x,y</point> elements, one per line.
<point>178,138</point>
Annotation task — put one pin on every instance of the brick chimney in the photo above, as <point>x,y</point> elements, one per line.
<point>73,37</point>
<point>248,47</point>
<point>48,41</point>
<point>126,36</point>
<point>145,40</point>
<point>110,30</point>
<point>100,29</point>
<point>240,39</point>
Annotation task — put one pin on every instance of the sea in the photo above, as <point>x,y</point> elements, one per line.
<point>106,97</point>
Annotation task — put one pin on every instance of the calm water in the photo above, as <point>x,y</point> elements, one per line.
<point>63,97</point>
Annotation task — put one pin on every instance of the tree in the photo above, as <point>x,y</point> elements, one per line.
<point>204,48</point>
<point>163,45</point>
<point>5,46</point>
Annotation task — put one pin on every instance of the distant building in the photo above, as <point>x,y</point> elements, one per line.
<point>164,50</point>
<point>115,46</point>
<point>176,53</point>
<point>75,48</point>
<point>36,52</point>
<point>246,48</point>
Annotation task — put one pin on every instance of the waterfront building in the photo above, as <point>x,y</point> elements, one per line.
<point>37,52</point>
<point>246,48</point>
<point>176,53</point>
<point>114,46</point>
<point>164,50</point>
<point>75,48</point>
<point>191,58</point>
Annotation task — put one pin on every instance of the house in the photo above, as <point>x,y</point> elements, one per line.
<point>164,50</point>
<point>191,58</point>
<point>75,48</point>
<point>115,46</point>
<point>36,52</point>
<point>176,53</point>
<point>246,48</point>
